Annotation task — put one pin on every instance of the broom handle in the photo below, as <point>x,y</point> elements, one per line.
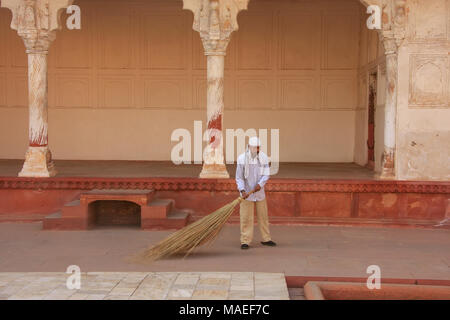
<point>248,194</point>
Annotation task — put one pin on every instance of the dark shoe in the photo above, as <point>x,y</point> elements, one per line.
<point>269,243</point>
<point>244,246</point>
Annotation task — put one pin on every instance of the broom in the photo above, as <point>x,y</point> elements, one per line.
<point>192,236</point>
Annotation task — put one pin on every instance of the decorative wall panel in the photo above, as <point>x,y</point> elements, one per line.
<point>340,42</point>
<point>298,93</point>
<point>165,38</point>
<point>255,94</point>
<point>338,92</point>
<point>72,91</point>
<point>429,81</point>
<point>164,93</point>
<point>116,92</point>
<point>299,45</point>
<point>17,90</point>
<point>73,48</point>
<point>144,54</point>
<point>430,19</point>
<point>115,40</point>
<point>255,42</point>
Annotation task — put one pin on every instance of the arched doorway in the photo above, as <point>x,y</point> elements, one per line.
<point>114,213</point>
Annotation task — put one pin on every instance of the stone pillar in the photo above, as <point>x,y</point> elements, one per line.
<point>38,159</point>
<point>214,165</point>
<point>390,113</point>
<point>215,21</point>
<point>393,35</point>
<point>36,22</point>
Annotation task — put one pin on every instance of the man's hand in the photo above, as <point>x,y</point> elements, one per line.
<point>257,188</point>
<point>244,194</point>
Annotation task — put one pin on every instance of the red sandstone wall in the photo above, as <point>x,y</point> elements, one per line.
<point>33,204</point>
<point>284,207</point>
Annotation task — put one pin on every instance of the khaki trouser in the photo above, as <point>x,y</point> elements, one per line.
<point>247,213</point>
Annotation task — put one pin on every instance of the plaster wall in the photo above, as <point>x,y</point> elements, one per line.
<point>136,71</point>
<point>423,119</point>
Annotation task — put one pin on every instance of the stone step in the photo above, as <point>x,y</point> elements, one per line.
<point>74,203</point>
<point>52,221</point>
<point>156,214</point>
<point>175,220</point>
<point>178,214</point>
<point>73,209</point>
<point>157,209</point>
<point>161,214</point>
<point>56,215</point>
<point>56,221</point>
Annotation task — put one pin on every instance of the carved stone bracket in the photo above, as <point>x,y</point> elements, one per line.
<point>36,21</point>
<point>215,21</point>
<point>394,24</point>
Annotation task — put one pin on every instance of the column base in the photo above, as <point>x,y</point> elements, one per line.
<point>214,171</point>
<point>386,174</point>
<point>388,169</point>
<point>38,163</point>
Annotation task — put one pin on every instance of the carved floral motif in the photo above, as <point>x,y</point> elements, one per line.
<point>225,185</point>
<point>215,21</point>
<point>394,20</point>
<point>36,21</point>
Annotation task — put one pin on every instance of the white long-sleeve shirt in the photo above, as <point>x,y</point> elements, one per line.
<point>259,172</point>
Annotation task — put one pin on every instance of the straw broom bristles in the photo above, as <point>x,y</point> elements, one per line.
<point>190,237</point>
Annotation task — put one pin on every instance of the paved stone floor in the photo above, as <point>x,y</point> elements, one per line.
<point>138,169</point>
<point>145,286</point>
<point>301,251</point>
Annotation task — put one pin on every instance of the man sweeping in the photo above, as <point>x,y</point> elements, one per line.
<point>252,173</point>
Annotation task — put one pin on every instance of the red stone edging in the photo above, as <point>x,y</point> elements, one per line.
<point>300,281</point>
<point>197,184</point>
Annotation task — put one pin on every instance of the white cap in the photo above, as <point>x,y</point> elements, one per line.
<point>254,142</point>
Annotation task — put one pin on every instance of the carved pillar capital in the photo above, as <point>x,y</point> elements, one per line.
<point>215,21</point>
<point>394,24</point>
<point>36,21</point>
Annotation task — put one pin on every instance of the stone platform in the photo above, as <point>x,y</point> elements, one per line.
<point>303,194</point>
<point>145,286</point>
